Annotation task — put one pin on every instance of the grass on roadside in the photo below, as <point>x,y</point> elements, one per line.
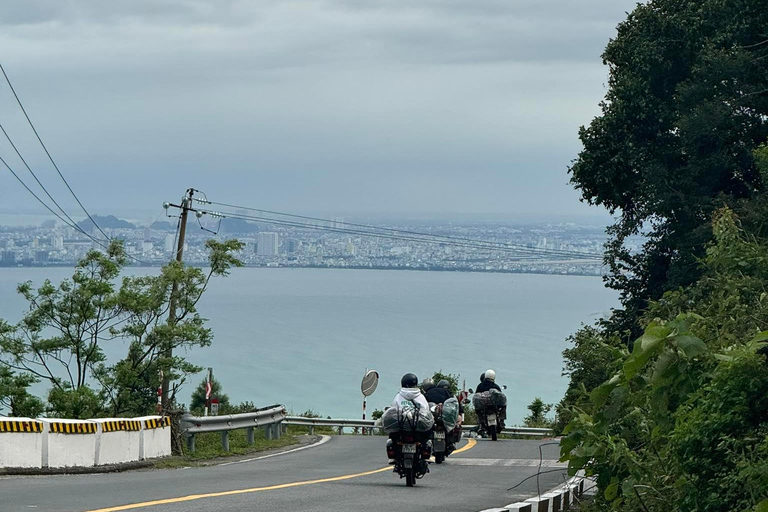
<point>208,446</point>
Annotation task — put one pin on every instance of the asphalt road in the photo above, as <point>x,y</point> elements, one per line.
<point>346,473</point>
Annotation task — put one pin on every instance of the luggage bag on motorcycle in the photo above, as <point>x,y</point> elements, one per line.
<point>450,413</point>
<point>411,420</point>
<point>489,399</point>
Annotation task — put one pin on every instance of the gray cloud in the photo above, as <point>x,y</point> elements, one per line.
<point>357,105</point>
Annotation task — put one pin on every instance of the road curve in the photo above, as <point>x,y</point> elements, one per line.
<point>348,473</point>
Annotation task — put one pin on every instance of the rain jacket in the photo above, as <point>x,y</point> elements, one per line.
<point>487,385</point>
<point>409,398</point>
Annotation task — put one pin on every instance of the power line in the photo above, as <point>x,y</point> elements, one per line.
<point>517,250</point>
<point>18,100</point>
<point>71,225</point>
<point>36,178</point>
<point>448,238</point>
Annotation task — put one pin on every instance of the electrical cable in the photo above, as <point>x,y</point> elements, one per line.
<point>503,248</point>
<point>38,180</point>
<point>516,250</point>
<point>558,252</point>
<point>18,100</point>
<point>73,226</point>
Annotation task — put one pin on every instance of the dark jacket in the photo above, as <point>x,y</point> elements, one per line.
<point>437,395</point>
<point>487,385</point>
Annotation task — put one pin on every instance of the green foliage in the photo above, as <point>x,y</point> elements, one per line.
<point>683,423</point>
<point>453,381</point>
<point>684,110</point>
<point>538,417</point>
<point>593,359</point>
<point>197,402</point>
<point>68,402</point>
<point>377,414</point>
<point>15,397</point>
<point>61,339</point>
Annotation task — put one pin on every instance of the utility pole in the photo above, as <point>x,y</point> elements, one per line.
<point>186,205</point>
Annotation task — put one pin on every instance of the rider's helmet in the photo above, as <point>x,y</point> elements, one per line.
<point>427,384</point>
<point>409,380</point>
<point>490,375</point>
<point>443,384</point>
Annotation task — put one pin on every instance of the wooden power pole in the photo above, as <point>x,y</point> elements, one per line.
<point>186,205</point>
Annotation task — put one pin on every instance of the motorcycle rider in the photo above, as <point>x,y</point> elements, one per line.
<point>488,383</point>
<point>438,394</point>
<point>409,398</point>
<point>426,385</point>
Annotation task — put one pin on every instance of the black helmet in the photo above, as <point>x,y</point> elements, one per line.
<point>443,384</point>
<point>427,384</point>
<point>409,380</point>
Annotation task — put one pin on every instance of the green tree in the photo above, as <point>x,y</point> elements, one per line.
<point>453,381</point>
<point>197,403</point>
<point>593,359</point>
<point>130,384</point>
<point>538,417</point>
<point>15,397</point>
<point>681,425</point>
<point>685,108</point>
<point>60,339</point>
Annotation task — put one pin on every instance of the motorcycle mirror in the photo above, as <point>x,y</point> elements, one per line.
<point>504,387</point>
<point>470,391</point>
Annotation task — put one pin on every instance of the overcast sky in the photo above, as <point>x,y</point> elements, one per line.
<point>370,106</point>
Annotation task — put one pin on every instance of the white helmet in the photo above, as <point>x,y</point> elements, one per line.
<point>490,374</point>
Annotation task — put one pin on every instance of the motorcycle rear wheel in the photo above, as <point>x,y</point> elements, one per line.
<point>410,477</point>
<point>439,458</point>
<point>494,435</point>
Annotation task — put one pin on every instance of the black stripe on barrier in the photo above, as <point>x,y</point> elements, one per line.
<point>21,426</point>
<point>163,422</point>
<point>121,426</point>
<point>73,428</point>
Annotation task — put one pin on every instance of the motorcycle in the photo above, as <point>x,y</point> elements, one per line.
<point>491,408</point>
<point>491,422</point>
<point>444,436</point>
<point>440,436</point>
<point>411,455</point>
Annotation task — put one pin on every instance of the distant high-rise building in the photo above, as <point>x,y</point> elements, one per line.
<point>168,243</point>
<point>267,244</point>
<point>57,242</point>
<point>146,246</point>
<point>293,245</point>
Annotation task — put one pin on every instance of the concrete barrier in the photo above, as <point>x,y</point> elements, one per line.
<point>63,443</point>
<point>117,440</point>
<point>69,443</point>
<point>155,438</point>
<point>556,500</point>
<point>21,443</point>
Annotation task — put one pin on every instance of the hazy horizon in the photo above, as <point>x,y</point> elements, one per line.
<point>433,108</point>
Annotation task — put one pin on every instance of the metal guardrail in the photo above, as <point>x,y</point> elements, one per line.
<point>518,431</point>
<point>267,417</point>
<point>356,424</point>
<point>341,424</point>
<point>274,418</point>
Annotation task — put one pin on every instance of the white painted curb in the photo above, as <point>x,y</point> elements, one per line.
<point>555,500</point>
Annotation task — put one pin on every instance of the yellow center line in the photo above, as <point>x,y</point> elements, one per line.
<point>192,497</point>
